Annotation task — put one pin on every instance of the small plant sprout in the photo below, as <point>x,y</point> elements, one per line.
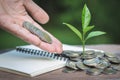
<point>84,35</point>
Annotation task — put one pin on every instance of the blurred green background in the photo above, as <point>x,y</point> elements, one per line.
<point>105,17</point>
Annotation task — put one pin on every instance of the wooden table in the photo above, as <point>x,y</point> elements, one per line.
<point>59,75</point>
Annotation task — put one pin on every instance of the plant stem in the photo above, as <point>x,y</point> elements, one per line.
<point>83,43</point>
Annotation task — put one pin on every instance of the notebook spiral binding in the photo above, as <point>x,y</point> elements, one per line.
<point>42,53</point>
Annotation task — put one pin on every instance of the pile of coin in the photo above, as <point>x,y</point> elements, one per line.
<point>92,62</point>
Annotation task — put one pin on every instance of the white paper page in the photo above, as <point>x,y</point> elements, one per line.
<point>28,64</point>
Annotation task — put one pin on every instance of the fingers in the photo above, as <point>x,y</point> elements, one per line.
<point>27,36</point>
<point>14,26</point>
<point>24,34</point>
<point>37,13</point>
<point>56,45</point>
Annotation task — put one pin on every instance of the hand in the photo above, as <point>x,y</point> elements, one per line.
<point>14,12</point>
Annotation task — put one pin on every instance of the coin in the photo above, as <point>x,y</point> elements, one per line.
<point>94,71</point>
<point>99,54</point>
<point>71,54</point>
<point>75,59</point>
<point>116,66</point>
<point>89,54</point>
<point>68,70</point>
<point>71,65</point>
<point>85,56</point>
<point>114,59</point>
<point>105,59</point>
<point>103,64</point>
<point>110,54</point>
<point>109,71</point>
<point>92,62</point>
<point>41,34</point>
<point>80,65</point>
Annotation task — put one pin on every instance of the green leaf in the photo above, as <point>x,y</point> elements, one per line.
<point>75,30</point>
<point>94,33</point>
<point>85,30</point>
<point>86,16</point>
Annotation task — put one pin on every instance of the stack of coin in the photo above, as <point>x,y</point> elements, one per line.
<point>92,62</point>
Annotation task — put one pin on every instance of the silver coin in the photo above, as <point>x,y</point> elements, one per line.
<point>99,54</point>
<point>105,59</point>
<point>103,64</point>
<point>109,71</point>
<point>68,70</point>
<point>89,52</point>
<point>94,71</point>
<point>114,59</point>
<point>94,65</point>
<point>116,66</point>
<point>71,65</point>
<point>86,56</point>
<point>41,34</point>
<point>110,54</point>
<point>81,66</point>
<point>71,54</point>
<point>92,62</point>
<point>76,59</point>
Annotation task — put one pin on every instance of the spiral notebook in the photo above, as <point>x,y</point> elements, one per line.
<point>32,65</point>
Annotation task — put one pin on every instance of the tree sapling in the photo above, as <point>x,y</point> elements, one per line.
<point>84,35</point>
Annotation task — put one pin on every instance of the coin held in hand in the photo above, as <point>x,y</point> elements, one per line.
<point>36,31</point>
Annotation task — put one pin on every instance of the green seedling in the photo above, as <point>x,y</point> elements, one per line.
<point>86,32</point>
